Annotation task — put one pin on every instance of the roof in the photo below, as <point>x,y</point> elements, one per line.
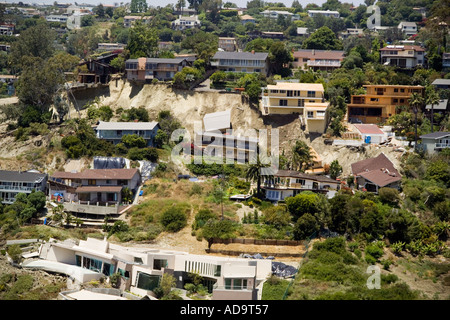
<point>323,11</point>
<point>165,60</point>
<point>302,30</point>
<point>90,295</point>
<point>435,135</point>
<point>368,129</point>
<point>246,17</point>
<point>408,24</point>
<point>241,55</point>
<point>21,176</point>
<point>296,86</point>
<point>381,177</point>
<point>126,125</point>
<point>85,189</point>
<point>75,272</point>
<point>278,12</point>
<point>300,175</point>
<point>377,163</point>
<point>105,174</point>
<point>319,54</point>
<point>441,82</point>
<point>443,103</point>
<point>402,47</point>
<point>217,120</point>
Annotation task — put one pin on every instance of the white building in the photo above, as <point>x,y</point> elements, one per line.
<point>273,14</point>
<point>326,13</point>
<point>141,268</point>
<point>408,28</point>
<point>183,23</point>
<point>403,56</point>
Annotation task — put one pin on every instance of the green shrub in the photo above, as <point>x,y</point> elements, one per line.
<point>173,219</point>
<point>374,250</point>
<point>370,259</point>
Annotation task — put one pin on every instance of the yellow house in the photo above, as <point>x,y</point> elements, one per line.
<point>380,102</point>
<point>306,99</point>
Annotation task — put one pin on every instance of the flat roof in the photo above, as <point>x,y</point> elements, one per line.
<point>368,129</point>
<point>241,55</point>
<point>103,125</point>
<point>296,86</point>
<point>217,120</point>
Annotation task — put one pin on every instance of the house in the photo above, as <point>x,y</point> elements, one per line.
<point>272,35</point>
<point>141,269</point>
<point>228,44</point>
<point>183,23</point>
<point>94,194</point>
<point>147,69</point>
<point>380,102</point>
<point>288,183</point>
<point>274,14</point>
<point>446,60</point>
<point>351,32</point>
<point>247,19</point>
<point>219,140</point>
<point>15,182</point>
<point>6,29</point>
<point>327,60</point>
<point>370,133</point>
<point>326,13</point>
<point>128,21</point>
<point>441,107</point>
<point>403,56</point>
<point>290,97</point>
<point>99,69</point>
<point>114,131</point>
<point>57,18</point>
<point>441,84</point>
<point>408,28</point>
<point>435,142</point>
<point>110,46</point>
<point>303,32</point>
<point>249,62</point>
<point>375,173</point>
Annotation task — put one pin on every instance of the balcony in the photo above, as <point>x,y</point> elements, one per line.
<point>16,188</point>
<point>101,208</point>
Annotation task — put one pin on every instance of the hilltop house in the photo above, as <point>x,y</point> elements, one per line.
<point>183,23</point>
<point>307,99</point>
<point>6,29</point>
<point>351,32</point>
<point>247,19</point>
<point>403,56</point>
<point>15,182</point>
<point>327,60</point>
<point>99,69</point>
<point>435,142</point>
<point>326,13</point>
<point>380,102</point>
<point>370,133</point>
<point>146,69</point>
<point>114,131</point>
<point>128,21</point>
<point>375,173</point>
<point>288,183</point>
<point>227,44</point>
<point>94,194</point>
<point>249,62</point>
<point>141,269</point>
<point>274,14</point>
<point>408,28</point>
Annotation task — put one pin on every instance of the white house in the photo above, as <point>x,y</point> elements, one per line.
<point>370,133</point>
<point>408,28</point>
<point>436,141</point>
<point>183,23</point>
<point>326,13</point>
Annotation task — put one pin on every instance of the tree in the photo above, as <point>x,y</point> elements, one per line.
<point>335,169</point>
<point>306,225</point>
<point>253,172</point>
<point>301,155</point>
<point>323,39</point>
<point>222,229</point>
<point>133,140</point>
<point>416,101</point>
<point>138,6</point>
<point>143,41</point>
<point>304,202</point>
<point>204,44</point>
<point>431,98</point>
<point>34,42</point>
<point>280,57</point>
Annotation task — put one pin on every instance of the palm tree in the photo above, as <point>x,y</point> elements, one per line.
<point>415,100</point>
<point>253,172</point>
<point>432,98</point>
<point>301,155</point>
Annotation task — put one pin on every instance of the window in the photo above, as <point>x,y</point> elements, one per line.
<point>108,269</point>
<point>92,264</point>
<point>124,273</point>
<point>138,260</point>
<point>217,271</point>
<point>158,264</point>
<point>310,114</point>
<point>92,182</point>
<point>283,102</point>
<point>311,94</point>
<point>146,281</point>
<point>300,103</point>
<point>320,113</point>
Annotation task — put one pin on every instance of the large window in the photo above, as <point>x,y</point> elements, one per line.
<point>158,264</point>
<point>92,264</point>
<point>147,281</point>
<point>108,269</point>
<point>283,102</point>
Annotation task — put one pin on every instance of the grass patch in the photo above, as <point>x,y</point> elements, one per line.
<point>274,288</point>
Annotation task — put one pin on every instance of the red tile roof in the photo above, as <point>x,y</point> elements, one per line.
<point>402,47</point>
<point>110,174</point>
